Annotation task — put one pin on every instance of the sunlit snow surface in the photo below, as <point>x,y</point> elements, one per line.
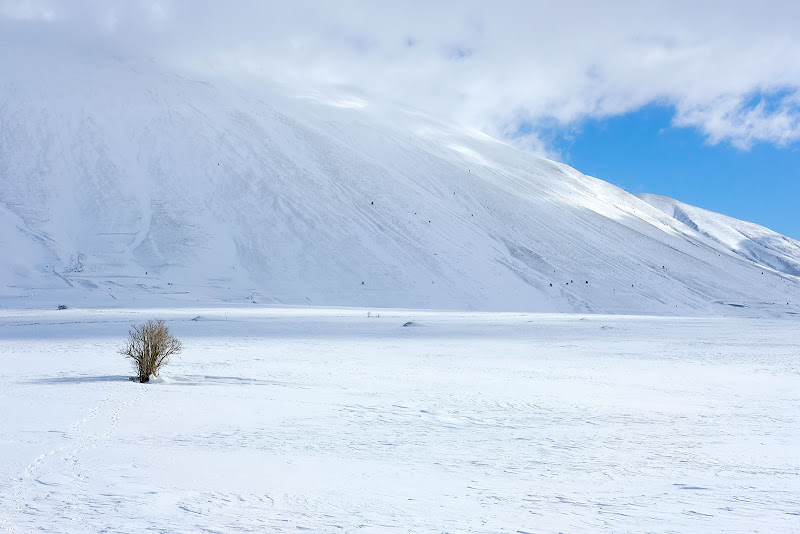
<point>279,420</point>
<point>123,182</point>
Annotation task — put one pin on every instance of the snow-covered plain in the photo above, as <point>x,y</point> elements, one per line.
<point>344,420</point>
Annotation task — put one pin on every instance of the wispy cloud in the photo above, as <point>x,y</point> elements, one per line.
<point>744,121</point>
<point>494,65</point>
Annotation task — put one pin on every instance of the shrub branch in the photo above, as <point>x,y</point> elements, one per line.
<point>150,346</point>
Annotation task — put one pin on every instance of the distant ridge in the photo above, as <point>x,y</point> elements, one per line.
<point>756,243</point>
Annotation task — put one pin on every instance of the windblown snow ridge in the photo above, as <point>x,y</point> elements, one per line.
<point>753,242</point>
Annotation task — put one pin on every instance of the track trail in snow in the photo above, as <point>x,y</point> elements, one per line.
<point>64,461</point>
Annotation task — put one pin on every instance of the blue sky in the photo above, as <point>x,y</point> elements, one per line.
<point>642,152</point>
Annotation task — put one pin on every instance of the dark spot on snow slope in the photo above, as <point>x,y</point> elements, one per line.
<point>731,304</point>
<point>692,512</point>
<point>688,487</point>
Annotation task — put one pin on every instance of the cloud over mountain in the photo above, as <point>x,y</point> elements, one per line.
<point>729,69</point>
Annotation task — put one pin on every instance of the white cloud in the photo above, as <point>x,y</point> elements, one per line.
<point>732,118</point>
<point>490,64</point>
<point>26,10</point>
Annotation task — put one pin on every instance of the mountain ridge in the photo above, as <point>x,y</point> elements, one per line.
<point>125,181</point>
<point>752,241</point>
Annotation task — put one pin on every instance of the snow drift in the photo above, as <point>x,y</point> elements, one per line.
<point>118,180</point>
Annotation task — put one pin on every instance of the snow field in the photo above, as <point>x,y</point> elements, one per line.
<point>331,420</point>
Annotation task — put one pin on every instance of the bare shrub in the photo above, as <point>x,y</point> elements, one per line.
<point>150,345</point>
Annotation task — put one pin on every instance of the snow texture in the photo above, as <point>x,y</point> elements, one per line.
<point>122,184</point>
<point>237,211</point>
<point>755,243</point>
<point>327,420</point>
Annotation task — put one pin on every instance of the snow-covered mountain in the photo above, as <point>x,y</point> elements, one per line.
<point>118,180</point>
<point>752,241</point>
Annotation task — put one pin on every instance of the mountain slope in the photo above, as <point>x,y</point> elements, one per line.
<point>121,181</point>
<point>753,242</point>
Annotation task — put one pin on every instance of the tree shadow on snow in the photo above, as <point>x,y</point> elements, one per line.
<point>78,379</point>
